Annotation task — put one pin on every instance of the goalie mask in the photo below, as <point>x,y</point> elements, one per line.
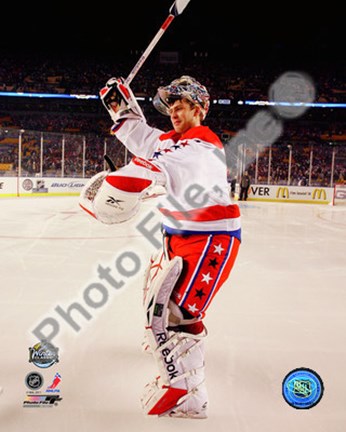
<point>183,87</point>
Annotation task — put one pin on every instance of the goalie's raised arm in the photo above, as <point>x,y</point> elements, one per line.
<point>119,101</point>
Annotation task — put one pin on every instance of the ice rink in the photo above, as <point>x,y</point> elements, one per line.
<point>284,307</point>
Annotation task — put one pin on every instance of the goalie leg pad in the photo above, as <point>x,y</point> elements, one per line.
<point>151,272</point>
<point>162,277</point>
<point>179,390</point>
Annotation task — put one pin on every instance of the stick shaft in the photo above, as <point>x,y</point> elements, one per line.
<point>149,48</point>
<point>110,163</point>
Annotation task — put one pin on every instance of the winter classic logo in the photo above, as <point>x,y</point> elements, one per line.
<point>302,388</point>
<point>43,354</point>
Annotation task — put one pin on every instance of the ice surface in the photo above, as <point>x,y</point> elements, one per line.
<point>283,307</point>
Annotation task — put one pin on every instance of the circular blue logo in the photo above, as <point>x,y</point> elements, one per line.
<point>302,388</point>
<point>43,354</point>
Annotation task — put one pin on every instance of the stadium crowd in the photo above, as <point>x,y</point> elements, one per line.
<point>308,150</point>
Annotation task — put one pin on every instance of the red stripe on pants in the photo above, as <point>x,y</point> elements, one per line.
<point>207,264</point>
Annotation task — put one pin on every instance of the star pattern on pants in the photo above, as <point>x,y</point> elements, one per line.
<point>218,249</point>
<point>206,278</point>
<point>192,308</point>
<point>199,293</point>
<point>213,262</point>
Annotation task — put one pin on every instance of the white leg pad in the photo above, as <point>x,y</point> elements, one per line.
<point>180,390</point>
<point>155,274</point>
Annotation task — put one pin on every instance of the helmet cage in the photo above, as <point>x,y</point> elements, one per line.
<point>184,87</point>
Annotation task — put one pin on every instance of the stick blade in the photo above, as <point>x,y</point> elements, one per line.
<point>178,7</point>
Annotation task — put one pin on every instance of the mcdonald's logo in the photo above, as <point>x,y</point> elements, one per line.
<point>283,192</point>
<point>319,193</point>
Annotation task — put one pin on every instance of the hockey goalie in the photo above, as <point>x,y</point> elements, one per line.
<point>201,231</point>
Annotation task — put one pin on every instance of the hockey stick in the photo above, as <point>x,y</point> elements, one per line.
<point>110,163</point>
<point>176,9</point>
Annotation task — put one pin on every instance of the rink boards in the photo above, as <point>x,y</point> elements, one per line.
<point>40,186</point>
<point>53,186</point>
<point>294,194</point>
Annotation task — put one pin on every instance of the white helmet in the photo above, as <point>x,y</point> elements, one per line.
<point>183,87</point>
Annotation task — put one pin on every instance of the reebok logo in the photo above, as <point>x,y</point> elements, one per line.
<point>167,358</point>
<point>114,202</point>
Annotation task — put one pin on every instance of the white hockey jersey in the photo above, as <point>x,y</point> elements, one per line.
<point>197,199</point>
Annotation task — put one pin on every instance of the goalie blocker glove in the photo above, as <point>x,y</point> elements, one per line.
<point>120,102</point>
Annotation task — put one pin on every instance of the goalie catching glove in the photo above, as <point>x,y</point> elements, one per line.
<point>115,197</point>
<point>119,101</point>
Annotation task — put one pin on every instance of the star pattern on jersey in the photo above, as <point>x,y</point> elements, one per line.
<point>206,278</point>
<point>218,249</point>
<point>160,152</point>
